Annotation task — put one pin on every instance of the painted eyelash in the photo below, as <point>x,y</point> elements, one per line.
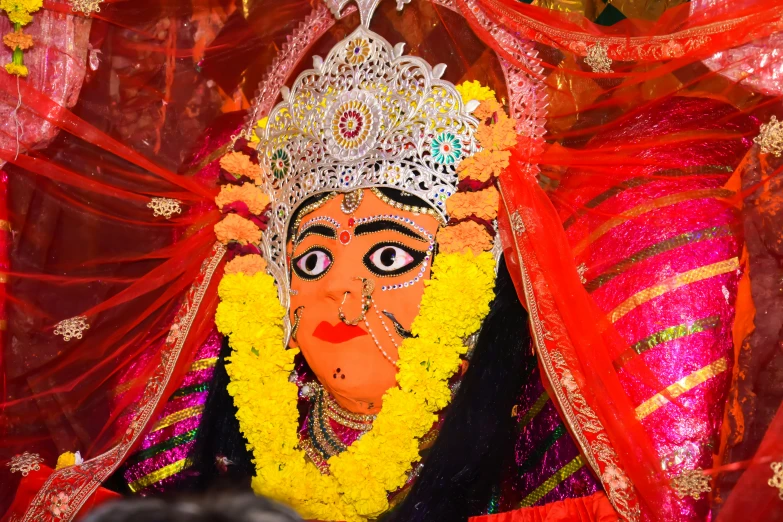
<point>296,270</point>
<point>372,268</point>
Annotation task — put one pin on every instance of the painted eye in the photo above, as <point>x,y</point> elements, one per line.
<point>312,264</point>
<point>390,259</point>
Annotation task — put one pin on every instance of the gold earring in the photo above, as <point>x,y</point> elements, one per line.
<point>297,318</point>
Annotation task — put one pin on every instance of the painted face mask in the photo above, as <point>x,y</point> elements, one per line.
<point>357,282</point>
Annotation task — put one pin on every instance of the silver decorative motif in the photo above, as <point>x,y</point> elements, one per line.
<point>770,137</point>
<point>165,207</point>
<point>366,8</point>
<point>72,328</point>
<point>366,116</point>
<point>598,59</point>
<point>86,6</point>
<point>25,463</point>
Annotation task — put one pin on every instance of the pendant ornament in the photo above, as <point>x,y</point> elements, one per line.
<point>72,328</point>
<point>691,483</point>
<point>25,463</point>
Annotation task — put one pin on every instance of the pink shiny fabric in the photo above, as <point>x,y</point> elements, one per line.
<point>685,431</point>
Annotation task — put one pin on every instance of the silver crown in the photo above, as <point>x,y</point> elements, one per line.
<point>366,116</point>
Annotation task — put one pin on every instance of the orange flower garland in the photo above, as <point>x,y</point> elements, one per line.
<point>236,228</point>
<point>482,204</point>
<point>249,265</point>
<point>247,193</point>
<point>240,165</point>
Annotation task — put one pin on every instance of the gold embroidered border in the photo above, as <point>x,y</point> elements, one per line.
<point>671,284</point>
<point>203,364</point>
<point>534,410</point>
<point>683,385</point>
<point>159,474</point>
<point>688,238</point>
<point>552,482</point>
<point>178,416</point>
<point>87,477</point>
<point>665,201</point>
<point>666,335</point>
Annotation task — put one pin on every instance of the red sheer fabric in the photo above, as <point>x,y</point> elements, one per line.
<point>595,508</point>
<point>86,242</point>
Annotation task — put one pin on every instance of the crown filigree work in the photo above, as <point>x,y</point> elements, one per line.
<point>366,116</point>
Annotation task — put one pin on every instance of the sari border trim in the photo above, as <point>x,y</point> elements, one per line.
<point>585,426</point>
<point>76,484</point>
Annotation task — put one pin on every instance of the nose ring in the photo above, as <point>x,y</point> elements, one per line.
<point>368,287</point>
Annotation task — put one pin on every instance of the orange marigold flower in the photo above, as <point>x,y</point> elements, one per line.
<point>484,165</point>
<point>18,39</point>
<point>467,235</point>
<point>249,265</point>
<point>482,204</point>
<point>247,193</point>
<point>240,164</point>
<point>487,108</point>
<point>237,228</point>
<point>500,135</point>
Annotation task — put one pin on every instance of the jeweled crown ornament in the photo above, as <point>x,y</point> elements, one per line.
<point>365,116</point>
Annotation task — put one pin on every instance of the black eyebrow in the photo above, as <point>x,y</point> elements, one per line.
<point>321,230</point>
<point>386,224</point>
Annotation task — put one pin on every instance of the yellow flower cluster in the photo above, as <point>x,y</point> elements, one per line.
<point>455,302</point>
<point>20,11</point>
<point>469,91</point>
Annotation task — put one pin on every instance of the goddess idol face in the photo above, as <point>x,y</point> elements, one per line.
<point>358,267</point>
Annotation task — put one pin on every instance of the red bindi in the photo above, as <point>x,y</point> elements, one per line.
<point>345,237</point>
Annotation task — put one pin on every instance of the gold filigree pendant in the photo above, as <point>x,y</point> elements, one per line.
<point>598,59</point>
<point>86,6</point>
<point>25,463</point>
<point>777,478</point>
<point>165,207</point>
<point>72,328</point>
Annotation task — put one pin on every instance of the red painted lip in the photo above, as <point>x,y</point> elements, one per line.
<point>338,333</point>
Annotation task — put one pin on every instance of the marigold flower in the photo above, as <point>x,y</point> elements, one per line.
<point>487,108</point>
<point>19,40</point>
<point>17,70</point>
<point>248,265</point>
<point>501,135</point>
<point>237,228</point>
<point>482,204</point>
<point>483,165</point>
<point>240,164</point>
<point>255,199</point>
<point>467,235</point>
<point>474,91</point>
<point>19,11</point>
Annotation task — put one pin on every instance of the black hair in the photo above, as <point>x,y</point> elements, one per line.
<point>475,441</point>
<point>244,507</point>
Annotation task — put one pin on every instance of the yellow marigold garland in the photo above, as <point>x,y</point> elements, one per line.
<point>19,13</point>
<point>454,303</point>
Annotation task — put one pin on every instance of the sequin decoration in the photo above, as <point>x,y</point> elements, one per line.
<point>598,59</point>
<point>770,137</point>
<point>446,148</point>
<point>777,478</point>
<point>691,483</point>
<point>25,463</point>
<point>72,328</point>
<point>165,207</point>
